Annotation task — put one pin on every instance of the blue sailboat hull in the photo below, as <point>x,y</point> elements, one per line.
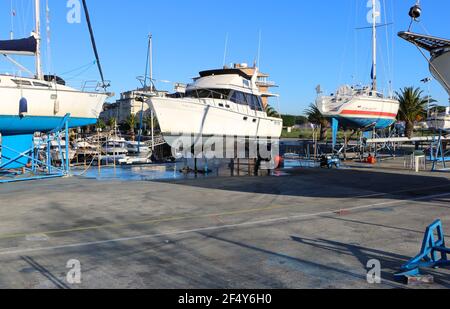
<point>360,123</point>
<point>17,136</point>
<point>14,125</point>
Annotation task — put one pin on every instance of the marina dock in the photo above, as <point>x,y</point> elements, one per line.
<point>309,228</point>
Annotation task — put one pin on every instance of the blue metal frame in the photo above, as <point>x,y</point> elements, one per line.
<point>31,155</point>
<point>438,155</point>
<point>335,129</point>
<point>432,255</point>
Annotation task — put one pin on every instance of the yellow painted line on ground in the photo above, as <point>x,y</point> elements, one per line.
<point>152,221</point>
<point>211,228</point>
<point>212,216</point>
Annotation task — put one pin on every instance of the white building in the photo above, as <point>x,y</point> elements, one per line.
<point>128,104</point>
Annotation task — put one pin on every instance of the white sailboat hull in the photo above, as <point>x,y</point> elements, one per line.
<point>360,111</point>
<point>46,106</point>
<point>202,117</point>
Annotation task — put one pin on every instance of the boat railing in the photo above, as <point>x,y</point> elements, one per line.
<point>94,85</point>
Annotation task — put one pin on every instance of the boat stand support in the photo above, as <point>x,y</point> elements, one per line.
<point>335,131</point>
<point>432,255</point>
<point>438,154</point>
<point>24,160</point>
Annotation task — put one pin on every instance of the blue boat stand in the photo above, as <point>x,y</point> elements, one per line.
<point>438,154</point>
<point>432,255</point>
<point>21,152</point>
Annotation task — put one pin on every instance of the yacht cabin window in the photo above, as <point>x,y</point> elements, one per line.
<point>220,94</point>
<point>251,100</point>
<point>238,97</point>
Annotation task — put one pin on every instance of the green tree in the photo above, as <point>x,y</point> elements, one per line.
<point>271,112</point>
<point>100,125</point>
<point>131,123</point>
<point>413,107</point>
<point>301,120</point>
<point>315,117</point>
<point>112,122</point>
<point>148,123</point>
<point>288,120</point>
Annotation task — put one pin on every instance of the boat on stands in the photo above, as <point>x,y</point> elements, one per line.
<point>219,103</point>
<point>40,103</point>
<point>361,107</point>
<point>438,62</point>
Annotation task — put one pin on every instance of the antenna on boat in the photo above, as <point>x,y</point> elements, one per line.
<point>375,15</point>
<point>225,51</point>
<point>13,14</point>
<point>259,50</point>
<point>37,35</point>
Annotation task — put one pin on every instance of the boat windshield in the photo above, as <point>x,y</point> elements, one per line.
<point>251,100</point>
<point>222,94</point>
<point>237,97</point>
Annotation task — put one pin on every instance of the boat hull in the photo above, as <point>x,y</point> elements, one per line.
<point>184,117</point>
<point>354,122</point>
<point>45,107</point>
<point>15,125</point>
<point>363,112</point>
<point>442,64</point>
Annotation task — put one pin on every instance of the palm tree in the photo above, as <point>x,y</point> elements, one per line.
<point>148,122</point>
<point>112,122</point>
<point>100,125</point>
<point>315,117</point>
<point>413,107</point>
<point>271,112</point>
<point>131,123</point>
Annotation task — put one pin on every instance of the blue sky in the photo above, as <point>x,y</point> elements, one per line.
<point>304,43</point>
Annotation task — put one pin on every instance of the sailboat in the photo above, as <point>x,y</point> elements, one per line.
<point>439,63</point>
<point>40,103</point>
<point>361,107</point>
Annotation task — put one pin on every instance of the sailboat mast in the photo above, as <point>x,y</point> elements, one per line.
<point>38,39</point>
<point>374,44</point>
<point>150,52</point>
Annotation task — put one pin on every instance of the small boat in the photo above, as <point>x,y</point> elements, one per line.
<point>140,149</point>
<point>135,161</point>
<point>361,107</point>
<point>85,150</point>
<point>439,121</point>
<point>114,148</point>
<point>58,151</point>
